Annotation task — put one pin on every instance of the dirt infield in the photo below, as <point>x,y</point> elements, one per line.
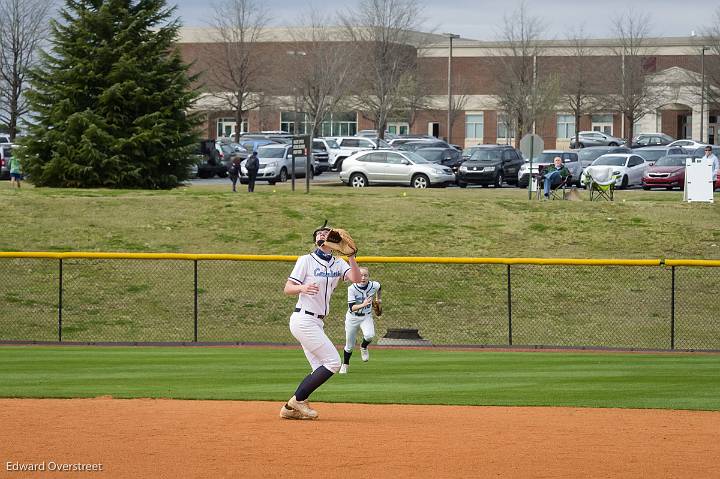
<point>166,438</point>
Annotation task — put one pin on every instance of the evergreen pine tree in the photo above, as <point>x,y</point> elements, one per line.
<point>111,99</point>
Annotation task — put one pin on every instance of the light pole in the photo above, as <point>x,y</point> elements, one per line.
<point>450,36</point>
<point>702,92</point>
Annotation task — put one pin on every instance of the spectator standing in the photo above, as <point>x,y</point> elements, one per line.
<point>252,165</point>
<point>715,163</point>
<point>234,170</point>
<point>15,172</point>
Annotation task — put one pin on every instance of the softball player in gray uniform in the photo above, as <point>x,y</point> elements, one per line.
<point>359,316</point>
<point>314,278</point>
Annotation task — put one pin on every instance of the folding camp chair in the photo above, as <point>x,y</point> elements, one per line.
<point>558,191</point>
<point>600,180</point>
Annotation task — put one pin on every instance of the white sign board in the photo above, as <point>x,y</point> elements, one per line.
<point>698,180</point>
<point>531,145</point>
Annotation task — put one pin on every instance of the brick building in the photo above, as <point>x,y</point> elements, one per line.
<point>673,67</point>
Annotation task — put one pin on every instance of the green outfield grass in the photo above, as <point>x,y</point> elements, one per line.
<point>665,381</point>
<point>474,222</point>
<point>450,304</point>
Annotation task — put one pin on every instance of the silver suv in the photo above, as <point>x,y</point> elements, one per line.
<point>595,138</point>
<point>276,164</point>
<point>349,145</point>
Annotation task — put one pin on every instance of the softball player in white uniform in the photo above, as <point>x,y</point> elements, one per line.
<point>359,316</point>
<point>314,278</point>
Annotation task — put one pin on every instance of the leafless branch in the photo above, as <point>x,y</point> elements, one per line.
<point>23,26</point>
<point>234,70</point>
<point>525,93</point>
<point>386,32</point>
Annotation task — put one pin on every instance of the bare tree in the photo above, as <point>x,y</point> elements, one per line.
<point>385,30</point>
<point>579,78</point>
<point>458,102</point>
<point>711,60</point>
<point>524,93</point>
<point>634,95</point>
<point>23,26</point>
<point>321,70</point>
<point>414,92</point>
<point>235,70</point>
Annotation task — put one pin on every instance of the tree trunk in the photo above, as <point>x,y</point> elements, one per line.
<point>238,123</point>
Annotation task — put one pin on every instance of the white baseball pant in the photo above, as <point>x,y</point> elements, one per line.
<point>318,348</point>
<point>352,324</point>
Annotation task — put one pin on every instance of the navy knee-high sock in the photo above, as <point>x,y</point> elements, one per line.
<point>365,343</point>
<point>312,382</point>
<point>346,357</point>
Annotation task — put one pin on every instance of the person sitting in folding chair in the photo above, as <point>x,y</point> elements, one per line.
<point>600,180</point>
<point>554,176</point>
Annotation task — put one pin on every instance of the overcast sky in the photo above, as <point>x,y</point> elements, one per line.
<point>481,20</point>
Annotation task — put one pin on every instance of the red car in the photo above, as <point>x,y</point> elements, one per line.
<point>667,172</point>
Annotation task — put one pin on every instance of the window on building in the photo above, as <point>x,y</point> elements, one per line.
<point>566,126</point>
<point>398,127</point>
<point>227,127</point>
<point>287,122</point>
<point>474,126</point>
<point>504,130</point>
<point>339,124</point>
<point>603,123</point>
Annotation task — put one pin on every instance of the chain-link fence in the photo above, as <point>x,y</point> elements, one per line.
<point>451,301</point>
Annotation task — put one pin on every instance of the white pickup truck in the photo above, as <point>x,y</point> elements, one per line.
<point>348,145</point>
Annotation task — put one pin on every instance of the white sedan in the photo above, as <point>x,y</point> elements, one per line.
<point>686,144</point>
<point>393,167</point>
<point>628,168</point>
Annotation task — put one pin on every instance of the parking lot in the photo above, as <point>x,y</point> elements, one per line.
<point>327,178</point>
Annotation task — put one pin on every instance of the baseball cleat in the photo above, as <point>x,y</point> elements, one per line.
<point>303,407</point>
<point>344,369</point>
<point>364,354</point>
<point>287,413</point>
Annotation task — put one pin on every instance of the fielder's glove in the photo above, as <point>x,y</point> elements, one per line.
<point>341,241</point>
<point>377,306</point>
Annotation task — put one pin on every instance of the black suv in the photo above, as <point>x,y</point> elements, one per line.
<point>490,165</point>
<point>442,156</point>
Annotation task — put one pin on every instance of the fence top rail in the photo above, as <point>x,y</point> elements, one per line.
<point>365,259</point>
<point>692,262</point>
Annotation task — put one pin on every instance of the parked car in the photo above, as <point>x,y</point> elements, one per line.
<point>595,138</point>
<point>321,156</point>
<point>4,139</point>
<point>700,151</point>
<point>468,152</point>
<point>373,134</point>
<point>570,159</point>
<point>687,144</point>
<point>490,165</point>
<point>668,172</point>
<point>276,136</point>
<point>5,155</point>
<point>330,146</point>
<point>653,153</point>
<point>349,145</point>
<point>442,156</point>
<point>651,139</point>
<point>417,144</point>
<point>393,167</point>
<point>252,144</point>
<point>276,164</point>
<point>211,159</point>
<point>628,167</point>
<point>589,154</point>
<point>395,142</point>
